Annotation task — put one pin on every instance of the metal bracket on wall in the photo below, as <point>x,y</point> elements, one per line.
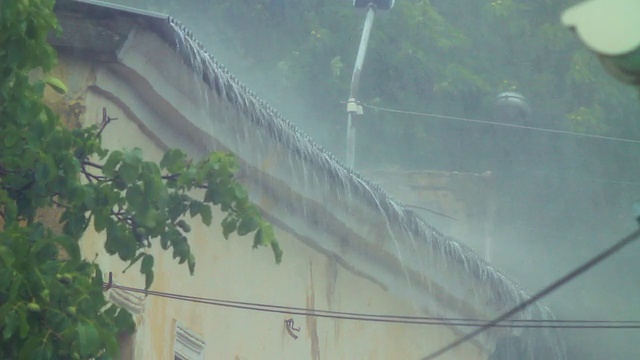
<point>288,324</point>
<point>109,284</point>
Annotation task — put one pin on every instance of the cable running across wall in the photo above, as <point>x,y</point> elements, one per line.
<point>542,293</point>
<point>486,122</point>
<point>409,320</point>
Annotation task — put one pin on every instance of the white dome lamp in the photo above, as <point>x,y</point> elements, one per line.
<point>379,4</point>
<point>511,106</point>
<point>611,29</point>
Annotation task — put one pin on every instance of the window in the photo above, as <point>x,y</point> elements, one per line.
<point>188,345</point>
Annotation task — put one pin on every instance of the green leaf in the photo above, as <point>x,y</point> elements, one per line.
<point>247,224</point>
<point>6,257</point>
<point>57,85</point>
<point>89,196</point>
<point>114,238</point>
<point>10,212</point>
<point>211,195</point>
<point>187,177</point>
<point>111,344</point>
<point>10,139</point>
<point>28,349</point>
<point>147,264</point>
<point>88,339</point>
<point>148,279</point>
<point>181,249</point>
<point>119,183</point>
<point>229,225</point>
<point>24,325</point>
<point>168,237</point>
<point>191,262</point>
<point>154,190</point>
<point>40,351</point>
<point>240,191</point>
<point>134,260</point>
<point>5,284</point>
<point>177,205</point>
<point>184,226</point>
<point>133,156</point>
<point>174,161</point>
<point>129,172</point>
<point>147,217</point>
<point>46,169</point>
<point>100,219</point>
<point>11,322</point>
<point>127,248</point>
<point>277,251</point>
<point>69,245</point>
<point>151,169</point>
<point>110,312</point>
<point>75,225</point>
<point>109,167</point>
<point>135,197</point>
<point>205,213</point>
<point>124,321</point>
<point>258,239</point>
<point>195,207</point>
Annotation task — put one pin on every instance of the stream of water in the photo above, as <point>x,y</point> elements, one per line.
<point>246,125</point>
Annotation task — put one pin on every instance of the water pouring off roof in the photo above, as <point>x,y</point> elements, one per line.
<point>332,207</point>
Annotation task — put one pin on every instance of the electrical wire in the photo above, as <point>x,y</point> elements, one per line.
<point>542,293</point>
<point>410,320</point>
<point>486,122</point>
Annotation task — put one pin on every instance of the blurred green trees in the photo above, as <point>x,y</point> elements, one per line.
<point>56,182</point>
<point>442,57</point>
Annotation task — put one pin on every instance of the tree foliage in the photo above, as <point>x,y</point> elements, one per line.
<point>439,57</point>
<point>52,304</point>
<point>433,56</point>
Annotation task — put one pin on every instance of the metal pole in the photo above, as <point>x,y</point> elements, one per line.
<point>352,107</point>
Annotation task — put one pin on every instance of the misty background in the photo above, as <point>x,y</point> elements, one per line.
<point>560,198</point>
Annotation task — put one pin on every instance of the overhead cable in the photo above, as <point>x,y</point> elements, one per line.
<point>411,320</point>
<point>542,293</point>
<point>494,123</point>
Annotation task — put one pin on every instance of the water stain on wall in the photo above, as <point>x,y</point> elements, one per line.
<point>312,321</point>
<point>332,277</point>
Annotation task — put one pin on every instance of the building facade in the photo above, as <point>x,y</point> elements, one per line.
<point>348,246</point>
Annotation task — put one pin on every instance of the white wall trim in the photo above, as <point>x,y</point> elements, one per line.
<point>130,301</point>
<point>188,345</point>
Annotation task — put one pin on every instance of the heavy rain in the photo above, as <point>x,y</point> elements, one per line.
<point>480,148</point>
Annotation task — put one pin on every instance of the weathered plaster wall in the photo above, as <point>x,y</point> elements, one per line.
<point>462,205</point>
<point>231,270</point>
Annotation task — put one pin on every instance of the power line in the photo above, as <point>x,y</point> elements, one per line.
<point>533,128</point>
<point>486,122</point>
<point>542,293</point>
<point>410,206</point>
<point>411,320</point>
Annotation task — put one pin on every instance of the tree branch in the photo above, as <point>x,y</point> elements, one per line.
<point>105,121</point>
<point>92,164</point>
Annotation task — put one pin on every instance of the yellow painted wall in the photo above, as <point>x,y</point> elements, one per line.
<point>231,270</point>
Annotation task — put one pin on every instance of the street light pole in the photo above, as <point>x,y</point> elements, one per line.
<point>353,108</point>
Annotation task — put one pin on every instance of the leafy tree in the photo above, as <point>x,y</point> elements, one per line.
<point>52,303</point>
<point>434,56</point>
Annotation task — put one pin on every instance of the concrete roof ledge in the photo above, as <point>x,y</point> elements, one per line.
<point>188,100</point>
